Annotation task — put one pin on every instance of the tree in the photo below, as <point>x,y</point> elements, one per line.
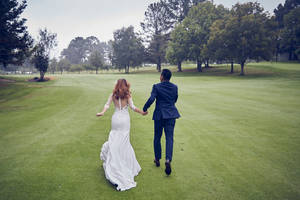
<point>88,67</point>
<point>46,42</point>
<point>156,50</point>
<point>80,49</point>
<point>290,34</point>
<point>40,61</point>
<point>76,51</point>
<point>96,59</point>
<point>92,44</point>
<point>53,65</point>
<point>179,9</point>
<point>76,68</point>
<point>156,27</point>
<point>282,45</point>
<point>63,65</point>
<point>252,39</point>
<point>110,52</point>
<point>282,10</point>
<point>208,53</point>
<point>15,42</point>
<point>177,50</point>
<point>221,44</point>
<point>128,49</point>
<point>197,24</point>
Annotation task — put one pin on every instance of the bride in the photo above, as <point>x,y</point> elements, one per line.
<point>119,161</point>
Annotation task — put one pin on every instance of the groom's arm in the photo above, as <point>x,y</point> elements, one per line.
<point>151,99</point>
<point>176,95</point>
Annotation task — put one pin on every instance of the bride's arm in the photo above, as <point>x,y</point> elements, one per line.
<point>135,109</point>
<point>106,106</point>
<point>140,111</point>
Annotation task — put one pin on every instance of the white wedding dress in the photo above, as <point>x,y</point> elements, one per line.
<point>119,161</point>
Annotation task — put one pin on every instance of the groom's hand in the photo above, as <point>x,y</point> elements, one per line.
<point>145,113</point>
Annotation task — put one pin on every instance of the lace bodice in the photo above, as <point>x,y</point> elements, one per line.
<point>118,103</point>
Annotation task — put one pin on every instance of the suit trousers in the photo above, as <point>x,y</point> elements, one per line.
<point>168,126</point>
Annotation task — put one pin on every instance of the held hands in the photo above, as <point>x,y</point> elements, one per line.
<point>140,111</point>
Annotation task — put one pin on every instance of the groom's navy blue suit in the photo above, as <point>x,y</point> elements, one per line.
<point>164,116</point>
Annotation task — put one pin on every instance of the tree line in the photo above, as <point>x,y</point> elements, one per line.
<point>173,31</point>
<point>203,32</point>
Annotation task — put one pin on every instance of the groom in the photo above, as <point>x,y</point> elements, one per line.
<point>165,114</point>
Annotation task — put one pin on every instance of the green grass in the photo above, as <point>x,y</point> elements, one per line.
<point>238,137</point>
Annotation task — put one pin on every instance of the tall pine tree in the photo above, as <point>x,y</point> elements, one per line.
<point>15,41</point>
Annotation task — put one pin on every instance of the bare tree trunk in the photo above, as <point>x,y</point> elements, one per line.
<point>126,69</point>
<point>42,74</point>
<point>199,65</point>
<point>158,56</point>
<point>96,70</point>
<point>158,67</point>
<point>231,70</point>
<point>179,66</point>
<point>242,69</point>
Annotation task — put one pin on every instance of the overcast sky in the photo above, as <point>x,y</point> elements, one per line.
<point>100,18</point>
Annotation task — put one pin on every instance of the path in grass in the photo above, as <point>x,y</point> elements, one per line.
<point>238,137</point>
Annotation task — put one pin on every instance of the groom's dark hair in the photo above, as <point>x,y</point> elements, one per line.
<point>166,74</point>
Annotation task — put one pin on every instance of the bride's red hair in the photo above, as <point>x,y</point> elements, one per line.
<point>122,89</point>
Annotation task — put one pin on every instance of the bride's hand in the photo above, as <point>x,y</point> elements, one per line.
<point>99,114</point>
<point>145,113</point>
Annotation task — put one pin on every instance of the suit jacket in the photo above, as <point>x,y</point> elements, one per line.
<point>166,95</point>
